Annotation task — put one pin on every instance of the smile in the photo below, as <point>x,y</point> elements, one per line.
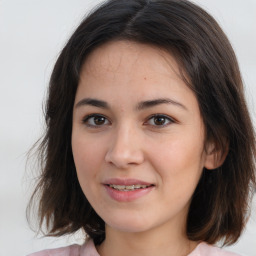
<point>127,188</point>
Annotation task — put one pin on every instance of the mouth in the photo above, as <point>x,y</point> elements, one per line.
<point>129,187</point>
<point>126,190</point>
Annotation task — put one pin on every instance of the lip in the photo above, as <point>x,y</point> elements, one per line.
<point>126,182</point>
<point>127,196</point>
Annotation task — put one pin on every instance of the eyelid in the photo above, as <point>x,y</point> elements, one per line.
<point>87,117</point>
<point>171,120</point>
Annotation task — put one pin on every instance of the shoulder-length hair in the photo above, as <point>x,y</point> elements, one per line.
<point>220,204</point>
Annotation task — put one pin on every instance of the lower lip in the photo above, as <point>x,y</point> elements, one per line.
<point>127,196</point>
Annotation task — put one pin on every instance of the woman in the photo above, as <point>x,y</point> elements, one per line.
<point>148,134</point>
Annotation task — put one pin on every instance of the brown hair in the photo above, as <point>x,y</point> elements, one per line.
<point>220,204</point>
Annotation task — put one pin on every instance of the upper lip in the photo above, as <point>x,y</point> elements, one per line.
<point>125,182</point>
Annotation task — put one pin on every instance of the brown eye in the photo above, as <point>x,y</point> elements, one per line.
<point>99,120</point>
<point>96,120</point>
<point>160,120</point>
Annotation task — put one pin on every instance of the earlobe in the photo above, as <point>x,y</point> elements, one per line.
<point>215,156</point>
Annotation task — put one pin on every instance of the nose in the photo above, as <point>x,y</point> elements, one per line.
<point>125,149</point>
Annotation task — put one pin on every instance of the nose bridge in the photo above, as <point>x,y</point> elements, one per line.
<point>125,147</point>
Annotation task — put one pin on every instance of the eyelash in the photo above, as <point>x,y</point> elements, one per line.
<point>87,119</point>
<point>166,118</point>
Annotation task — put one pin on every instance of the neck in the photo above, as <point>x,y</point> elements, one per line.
<point>145,243</point>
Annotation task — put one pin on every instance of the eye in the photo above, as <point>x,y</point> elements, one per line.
<point>160,120</point>
<point>96,120</point>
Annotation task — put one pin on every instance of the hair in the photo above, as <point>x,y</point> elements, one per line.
<point>220,204</point>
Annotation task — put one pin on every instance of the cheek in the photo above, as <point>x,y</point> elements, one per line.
<point>179,161</point>
<point>86,157</point>
<point>86,150</point>
<point>179,169</point>
<point>178,152</point>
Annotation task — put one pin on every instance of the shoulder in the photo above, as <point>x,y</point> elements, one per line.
<point>88,249</point>
<point>63,251</point>
<point>204,249</point>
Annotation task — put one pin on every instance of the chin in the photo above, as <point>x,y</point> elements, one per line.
<point>131,224</point>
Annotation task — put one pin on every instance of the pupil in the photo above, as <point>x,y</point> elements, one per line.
<point>99,120</point>
<point>159,120</point>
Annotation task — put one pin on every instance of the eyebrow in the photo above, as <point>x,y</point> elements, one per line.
<point>92,102</point>
<point>140,106</point>
<point>155,102</point>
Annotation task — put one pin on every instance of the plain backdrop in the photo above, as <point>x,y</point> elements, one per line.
<point>32,33</point>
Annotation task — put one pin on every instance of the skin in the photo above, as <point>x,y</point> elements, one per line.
<point>126,142</point>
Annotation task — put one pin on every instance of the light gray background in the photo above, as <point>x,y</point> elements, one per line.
<point>32,32</point>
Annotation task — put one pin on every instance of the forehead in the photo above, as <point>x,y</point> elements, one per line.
<point>132,69</point>
<point>127,56</point>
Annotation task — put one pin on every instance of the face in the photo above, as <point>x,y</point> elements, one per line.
<point>137,138</point>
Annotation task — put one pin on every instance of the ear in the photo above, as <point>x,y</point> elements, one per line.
<point>215,155</point>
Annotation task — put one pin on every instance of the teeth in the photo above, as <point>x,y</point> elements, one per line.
<point>127,188</point>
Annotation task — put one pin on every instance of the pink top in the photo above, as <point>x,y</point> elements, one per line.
<point>88,249</point>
